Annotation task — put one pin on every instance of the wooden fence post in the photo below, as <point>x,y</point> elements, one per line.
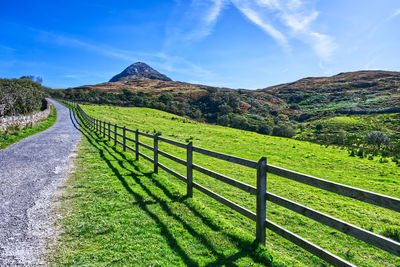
<point>124,137</point>
<point>261,202</point>
<point>156,153</point>
<point>137,144</point>
<point>115,134</point>
<point>189,169</point>
<point>96,124</point>
<point>109,135</point>
<point>104,129</point>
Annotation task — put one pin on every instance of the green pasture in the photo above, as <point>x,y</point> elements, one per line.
<point>95,182</point>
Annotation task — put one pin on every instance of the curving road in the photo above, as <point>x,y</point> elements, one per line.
<point>30,173</point>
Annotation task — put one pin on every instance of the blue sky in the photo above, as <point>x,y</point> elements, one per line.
<point>228,43</point>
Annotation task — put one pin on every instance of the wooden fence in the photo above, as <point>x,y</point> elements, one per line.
<point>118,135</point>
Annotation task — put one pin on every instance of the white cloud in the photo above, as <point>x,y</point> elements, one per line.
<point>395,14</point>
<point>283,20</point>
<point>295,19</point>
<point>255,17</point>
<point>199,21</point>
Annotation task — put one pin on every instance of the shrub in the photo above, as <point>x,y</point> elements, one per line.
<point>283,130</point>
<point>377,138</point>
<point>239,122</point>
<point>21,96</point>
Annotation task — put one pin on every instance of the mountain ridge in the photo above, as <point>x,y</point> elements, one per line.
<point>139,71</point>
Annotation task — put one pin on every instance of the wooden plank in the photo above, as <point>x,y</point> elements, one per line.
<point>260,200</point>
<point>130,130</point>
<point>245,187</point>
<point>233,159</point>
<point>172,172</point>
<point>155,156</point>
<point>124,138</point>
<point>171,157</point>
<point>109,132</point>
<point>189,170</point>
<point>130,148</point>
<point>115,135</point>
<point>146,157</point>
<point>146,146</point>
<point>137,144</point>
<point>307,245</point>
<point>245,212</point>
<point>384,243</point>
<point>172,142</point>
<point>146,134</point>
<point>344,190</point>
<point>129,139</point>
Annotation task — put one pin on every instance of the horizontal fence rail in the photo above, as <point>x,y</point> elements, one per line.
<point>115,132</point>
<point>348,191</point>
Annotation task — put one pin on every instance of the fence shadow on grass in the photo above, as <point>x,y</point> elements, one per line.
<point>122,161</point>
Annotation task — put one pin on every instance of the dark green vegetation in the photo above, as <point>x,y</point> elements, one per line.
<point>14,135</point>
<point>350,131</point>
<point>110,197</point>
<point>21,96</point>
<point>302,109</point>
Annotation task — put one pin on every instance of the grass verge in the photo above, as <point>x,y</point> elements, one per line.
<point>12,136</point>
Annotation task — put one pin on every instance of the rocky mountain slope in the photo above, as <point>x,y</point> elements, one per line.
<point>139,71</point>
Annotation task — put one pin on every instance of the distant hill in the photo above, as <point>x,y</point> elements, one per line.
<point>291,109</point>
<point>139,71</point>
<point>352,92</point>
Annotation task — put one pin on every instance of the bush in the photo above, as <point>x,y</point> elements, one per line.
<point>239,122</point>
<point>20,96</point>
<point>377,138</point>
<point>284,130</point>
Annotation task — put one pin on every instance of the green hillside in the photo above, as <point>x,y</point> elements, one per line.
<point>329,163</point>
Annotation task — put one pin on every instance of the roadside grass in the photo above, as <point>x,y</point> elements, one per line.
<point>12,136</point>
<point>328,163</point>
<point>117,212</point>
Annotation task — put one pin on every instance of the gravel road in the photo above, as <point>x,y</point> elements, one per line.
<point>30,173</point>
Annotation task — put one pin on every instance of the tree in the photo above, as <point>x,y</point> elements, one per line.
<point>319,127</point>
<point>377,138</point>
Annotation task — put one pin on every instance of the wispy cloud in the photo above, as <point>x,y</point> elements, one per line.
<point>295,20</point>
<point>395,14</point>
<point>377,26</point>
<point>198,21</point>
<point>257,19</point>
<point>158,59</point>
<point>283,20</point>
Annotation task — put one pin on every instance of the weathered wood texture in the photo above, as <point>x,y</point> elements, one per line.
<point>345,190</point>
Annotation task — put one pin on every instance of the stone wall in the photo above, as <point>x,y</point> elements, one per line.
<point>13,122</point>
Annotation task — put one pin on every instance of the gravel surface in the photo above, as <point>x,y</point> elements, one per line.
<point>30,173</point>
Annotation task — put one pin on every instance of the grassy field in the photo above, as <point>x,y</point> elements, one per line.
<point>329,163</point>
<point>354,124</point>
<point>13,136</point>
